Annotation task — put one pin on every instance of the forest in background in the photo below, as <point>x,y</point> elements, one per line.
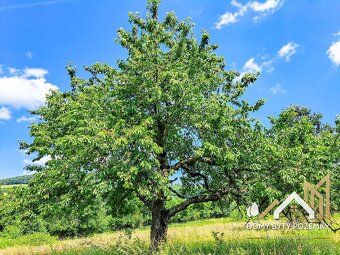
<point>24,179</point>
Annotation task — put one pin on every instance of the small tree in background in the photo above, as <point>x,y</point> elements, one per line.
<point>169,114</point>
<point>301,148</point>
<point>306,149</point>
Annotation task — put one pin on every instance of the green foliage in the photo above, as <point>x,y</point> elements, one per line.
<point>199,211</point>
<point>62,211</point>
<point>300,148</point>
<point>169,108</point>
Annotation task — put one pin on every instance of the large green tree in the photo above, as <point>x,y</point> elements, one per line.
<point>169,114</point>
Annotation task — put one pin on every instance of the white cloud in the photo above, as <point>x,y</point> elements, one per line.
<point>277,89</point>
<point>28,172</point>
<point>226,19</point>
<point>334,51</point>
<point>267,6</point>
<point>263,9</point>
<point>267,65</point>
<point>251,66</point>
<point>229,18</point>
<point>25,88</point>
<point>13,70</point>
<point>288,50</point>
<point>29,54</point>
<point>25,119</point>
<point>34,72</point>
<point>40,162</point>
<point>5,114</point>
<point>1,71</point>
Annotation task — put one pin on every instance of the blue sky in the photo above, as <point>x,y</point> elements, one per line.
<point>295,44</point>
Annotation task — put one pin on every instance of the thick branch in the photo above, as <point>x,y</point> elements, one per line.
<point>177,193</point>
<point>198,174</point>
<point>195,199</point>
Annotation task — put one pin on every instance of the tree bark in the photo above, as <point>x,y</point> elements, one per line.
<point>159,225</point>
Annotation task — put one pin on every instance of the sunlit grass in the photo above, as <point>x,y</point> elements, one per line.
<point>213,236</point>
<point>12,186</point>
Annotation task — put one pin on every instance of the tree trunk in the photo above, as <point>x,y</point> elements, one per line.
<point>159,225</point>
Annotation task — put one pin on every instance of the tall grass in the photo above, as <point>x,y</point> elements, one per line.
<point>215,236</point>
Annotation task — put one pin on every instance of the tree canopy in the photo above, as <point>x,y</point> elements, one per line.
<point>170,109</point>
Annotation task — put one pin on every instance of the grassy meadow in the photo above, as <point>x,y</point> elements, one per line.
<point>213,236</point>
<point>6,188</point>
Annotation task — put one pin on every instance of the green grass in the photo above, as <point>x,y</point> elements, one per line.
<point>12,186</point>
<point>27,240</point>
<point>213,236</point>
<point>7,188</point>
<point>242,247</point>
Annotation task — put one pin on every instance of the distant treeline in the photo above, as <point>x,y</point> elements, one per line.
<point>16,180</point>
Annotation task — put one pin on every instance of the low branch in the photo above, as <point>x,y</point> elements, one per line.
<point>193,200</point>
<point>193,160</point>
<point>177,193</point>
<point>199,174</point>
<point>171,181</point>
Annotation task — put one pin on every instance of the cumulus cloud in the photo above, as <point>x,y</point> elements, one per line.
<point>267,6</point>
<point>267,64</point>
<point>25,119</point>
<point>277,89</point>
<point>13,70</point>
<point>226,19</point>
<point>261,8</point>
<point>34,72</point>
<point>229,17</point>
<point>288,50</point>
<point>5,114</point>
<point>26,88</point>
<point>251,66</point>
<point>40,162</point>
<point>334,51</point>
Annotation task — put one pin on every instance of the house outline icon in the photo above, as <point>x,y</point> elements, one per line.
<point>299,200</point>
